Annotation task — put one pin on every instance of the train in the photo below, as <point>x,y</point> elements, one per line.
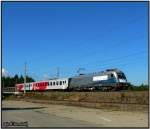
<point>108,80</point>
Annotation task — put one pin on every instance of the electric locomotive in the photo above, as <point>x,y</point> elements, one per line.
<point>110,79</point>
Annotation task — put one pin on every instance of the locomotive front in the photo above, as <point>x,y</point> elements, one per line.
<point>121,81</point>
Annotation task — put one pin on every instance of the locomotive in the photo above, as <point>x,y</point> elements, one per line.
<point>110,79</point>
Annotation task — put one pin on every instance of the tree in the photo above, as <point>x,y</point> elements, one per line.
<point>12,81</point>
<point>16,78</point>
<point>21,79</point>
<point>29,79</point>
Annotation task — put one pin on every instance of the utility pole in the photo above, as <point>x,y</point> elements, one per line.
<point>25,72</point>
<point>57,72</point>
<point>15,86</point>
<point>3,83</point>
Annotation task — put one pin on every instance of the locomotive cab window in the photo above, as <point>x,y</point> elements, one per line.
<point>111,75</point>
<point>121,76</point>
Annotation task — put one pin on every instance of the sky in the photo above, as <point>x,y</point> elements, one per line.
<point>72,35</point>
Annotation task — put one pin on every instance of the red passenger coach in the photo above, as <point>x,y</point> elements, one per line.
<point>40,86</point>
<point>56,84</point>
<point>20,87</point>
<point>34,86</point>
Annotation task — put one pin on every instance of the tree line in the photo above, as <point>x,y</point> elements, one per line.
<point>141,87</point>
<point>12,81</point>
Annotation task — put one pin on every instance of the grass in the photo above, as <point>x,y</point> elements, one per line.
<point>129,97</point>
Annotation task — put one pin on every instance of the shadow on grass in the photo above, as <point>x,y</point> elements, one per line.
<point>27,108</point>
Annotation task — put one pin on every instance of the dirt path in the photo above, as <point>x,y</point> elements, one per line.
<point>91,117</point>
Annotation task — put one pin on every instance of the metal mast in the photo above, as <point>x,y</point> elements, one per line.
<point>25,72</point>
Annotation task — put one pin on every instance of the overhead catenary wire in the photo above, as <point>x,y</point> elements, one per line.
<point>118,63</point>
<point>90,53</point>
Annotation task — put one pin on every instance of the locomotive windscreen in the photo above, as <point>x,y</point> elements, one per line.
<point>121,75</point>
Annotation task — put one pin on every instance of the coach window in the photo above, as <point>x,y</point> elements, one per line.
<point>60,82</point>
<point>53,83</point>
<point>57,83</point>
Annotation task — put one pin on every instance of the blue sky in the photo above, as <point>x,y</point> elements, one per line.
<point>72,35</point>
